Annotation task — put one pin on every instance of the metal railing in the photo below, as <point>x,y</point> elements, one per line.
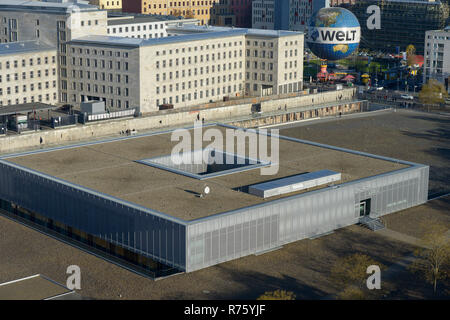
<point>84,117</point>
<point>66,120</point>
<point>373,224</point>
<point>29,125</point>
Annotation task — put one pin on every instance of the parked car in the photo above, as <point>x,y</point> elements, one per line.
<point>379,88</point>
<point>407,97</point>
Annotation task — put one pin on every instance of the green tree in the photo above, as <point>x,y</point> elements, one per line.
<point>433,257</point>
<point>433,92</point>
<point>277,295</point>
<point>361,66</point>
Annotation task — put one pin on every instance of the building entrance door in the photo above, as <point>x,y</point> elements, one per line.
<point>364,208</point>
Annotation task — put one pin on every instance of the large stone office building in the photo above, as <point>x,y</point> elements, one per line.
<point>185,65</point>
<point>196,65</point>
<point>28,73</point>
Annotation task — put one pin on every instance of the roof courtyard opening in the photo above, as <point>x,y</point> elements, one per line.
<point>204,163</point>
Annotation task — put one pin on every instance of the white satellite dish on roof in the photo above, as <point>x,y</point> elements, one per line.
<point>206,190</point>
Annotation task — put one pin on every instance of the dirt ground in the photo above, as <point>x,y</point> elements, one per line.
<point>302,267</point>
<point>414,220</point>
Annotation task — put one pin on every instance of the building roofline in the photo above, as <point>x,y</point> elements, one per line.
<point>141,18</point>
<point>11,48</point>
<point>168,216</point>
<point>45,7</point>
<point>197,33</point>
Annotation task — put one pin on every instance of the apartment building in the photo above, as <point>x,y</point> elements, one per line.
<point>237,13</point>
<point>242,10</point>
<point>28,73</point>
<point>107,4</point>
<point>197,65</point>
<point>144,26</point>
<point>214,12</point>
<point>285,14</point>
<point>263,14</point>
<point>192,9</point>
<point>221,15</point>
<point>338,3</point>
<point>437,56</point>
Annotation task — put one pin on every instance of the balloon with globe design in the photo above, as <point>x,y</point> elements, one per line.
<point>333,33</point>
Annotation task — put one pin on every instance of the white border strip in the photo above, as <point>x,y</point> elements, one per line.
<point>59,295</point>
<point>18,280</point>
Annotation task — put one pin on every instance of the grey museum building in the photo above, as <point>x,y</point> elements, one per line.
<point>125,201</point>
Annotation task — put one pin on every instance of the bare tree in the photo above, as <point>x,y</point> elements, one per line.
<point>433,257</point>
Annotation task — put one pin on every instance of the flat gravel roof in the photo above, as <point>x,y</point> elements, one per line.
<point>12,48</point>
<point>25,108</point>
<point>111,168</point>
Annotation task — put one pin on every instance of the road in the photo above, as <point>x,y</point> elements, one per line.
<point>390,95</point>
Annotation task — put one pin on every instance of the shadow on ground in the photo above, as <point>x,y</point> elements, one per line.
<point>439,148</point>
<point>257,283</point>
